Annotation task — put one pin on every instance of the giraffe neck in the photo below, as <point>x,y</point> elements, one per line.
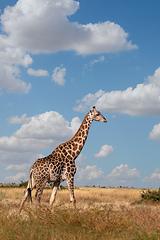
<point>73,147</point>
<point>80,137</point>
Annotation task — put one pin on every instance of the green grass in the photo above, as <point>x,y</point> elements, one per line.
<point>112,214</point>
<point>92,223</point>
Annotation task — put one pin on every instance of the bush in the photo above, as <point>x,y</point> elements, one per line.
<point>23,184</point>
<point>151,195</point>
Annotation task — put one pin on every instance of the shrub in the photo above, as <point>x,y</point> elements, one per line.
<point>23,184</point>
<point>151,195</point>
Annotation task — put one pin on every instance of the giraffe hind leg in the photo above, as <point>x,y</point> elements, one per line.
<point>39,191</point>
<point>27,193</point>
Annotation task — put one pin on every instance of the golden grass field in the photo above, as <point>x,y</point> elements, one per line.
<point>101,213</point>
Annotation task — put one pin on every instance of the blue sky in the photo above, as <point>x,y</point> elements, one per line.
<point>57,60</point>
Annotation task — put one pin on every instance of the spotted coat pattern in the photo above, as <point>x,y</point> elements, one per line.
<point>60,164</point>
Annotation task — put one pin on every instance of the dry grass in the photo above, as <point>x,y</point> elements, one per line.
<point>101,213</point>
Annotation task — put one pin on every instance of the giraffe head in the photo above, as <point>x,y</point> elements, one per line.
<point>97,116</point>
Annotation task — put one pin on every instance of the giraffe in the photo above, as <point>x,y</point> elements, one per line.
<point>60,164</point>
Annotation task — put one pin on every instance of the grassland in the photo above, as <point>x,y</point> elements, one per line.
<point>101,213</point>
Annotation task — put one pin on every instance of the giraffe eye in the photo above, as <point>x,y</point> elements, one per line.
<point>97,114</point>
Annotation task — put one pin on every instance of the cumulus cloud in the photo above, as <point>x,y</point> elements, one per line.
<point>19,120</point>
<point>143,100</point>
<point>155,176</point>
<point>104,38</point>
<point>16,178</point>
<point>18,167</point>
<point>42,131</point>
<point>58,75</point>
<point>80,161</point>
<point>89,173</point>
<point>123,174</point>
<point>10,60</point>
<point>75,124</point>
<point>37,73</point>
<point>105,151</point>
<point>21,170</point>
<point>88,101</point>
<point>155,133</point>
<point>43,26</point>
<point>48,125</point>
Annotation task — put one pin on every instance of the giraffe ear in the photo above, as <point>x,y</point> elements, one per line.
<point>91,112</point>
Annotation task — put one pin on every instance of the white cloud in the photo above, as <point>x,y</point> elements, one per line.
<point>103,38</point>
<point>17,178</point>
<point>10,59</point>
<point>88,101</point>
<point>89,173</point>
<point>21,120</point>
<point>155,176</point>
<point>37,73</point>
<point>43,26</point>
<point>18,167</point>
<point>42,131</point>
<point>24,167</point>
<point>155,133</point>
<point>80,161</point>
<point>75,124</point>
<point>10,79</point>
<point>48,125</point>
<point>123,174</point>
<point>140,101</point>
<point>12,156</point>
<point>105,151</point>
<point>58,75</point>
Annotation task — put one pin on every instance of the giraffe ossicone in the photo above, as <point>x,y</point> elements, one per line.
<point>60,165</point>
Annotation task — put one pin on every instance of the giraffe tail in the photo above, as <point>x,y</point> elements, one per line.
<point>30,185</point>
<point>27,192</point>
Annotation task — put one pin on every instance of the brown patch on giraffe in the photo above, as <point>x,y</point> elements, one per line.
<point>83,133</point>
<point>68,169</point>
<point>76,139</point>
<point>77,152</point>
<point>64,151</point>
<point>60,147</point>
<point>69,157</point>
<point>75,147</point>
<point>73,154</point>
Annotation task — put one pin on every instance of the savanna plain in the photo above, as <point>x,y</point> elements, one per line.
<point>101,213</point>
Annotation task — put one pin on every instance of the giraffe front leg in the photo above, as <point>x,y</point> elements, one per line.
<point>54,192</point>
<point>70,183</point>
